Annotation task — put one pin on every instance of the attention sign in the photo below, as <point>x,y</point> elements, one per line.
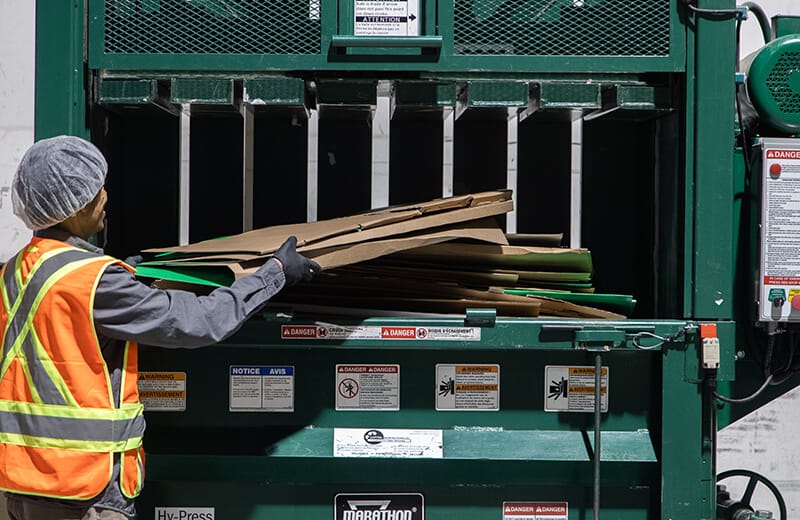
<point>386,18</point>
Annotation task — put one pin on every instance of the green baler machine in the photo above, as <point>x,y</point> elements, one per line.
<point>613,120</point>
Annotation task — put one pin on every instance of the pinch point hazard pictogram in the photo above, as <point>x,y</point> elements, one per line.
<point>422,333</point>
<point>322,332</point>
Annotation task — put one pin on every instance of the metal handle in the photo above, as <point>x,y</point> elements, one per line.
<point>422,42</point>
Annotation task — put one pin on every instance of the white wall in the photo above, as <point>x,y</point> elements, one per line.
<point>766,442</point>
<point>16,110</point>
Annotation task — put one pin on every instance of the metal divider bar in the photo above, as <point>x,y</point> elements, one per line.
<point>511,167</point>
<point>184,174</point>
<point>448,125</point>
<point>576,183</point>
<point>381,133</point>
<point>312,168</point>
<point>248,126</point>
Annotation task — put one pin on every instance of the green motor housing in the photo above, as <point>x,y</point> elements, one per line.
<point>773,84</point>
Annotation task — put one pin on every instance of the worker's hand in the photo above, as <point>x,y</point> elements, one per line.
<point>296,267</point>
<point>134,260</point>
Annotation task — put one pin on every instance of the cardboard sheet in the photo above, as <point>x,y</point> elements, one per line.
<point>347,254</point>
<point>507,257</point>
<point>407,218</point>
<point>331,257</point>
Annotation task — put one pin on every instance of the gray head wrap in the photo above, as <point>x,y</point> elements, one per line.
<point>56,178</point>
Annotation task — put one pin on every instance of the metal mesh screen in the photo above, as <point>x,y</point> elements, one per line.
<point>212,27</point>
<point>562,27</point>
<point>778,82</point>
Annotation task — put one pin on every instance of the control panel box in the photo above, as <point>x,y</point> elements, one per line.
<point>779,276</point>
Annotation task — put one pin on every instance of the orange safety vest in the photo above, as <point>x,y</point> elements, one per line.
<point>60,422</point>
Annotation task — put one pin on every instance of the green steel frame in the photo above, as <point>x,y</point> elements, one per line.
<point>336,21</point>
<point>658,459</point>
<point>656,447</point>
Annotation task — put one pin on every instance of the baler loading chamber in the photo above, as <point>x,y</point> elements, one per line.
<point>227,121</point>
<point>608,182</point>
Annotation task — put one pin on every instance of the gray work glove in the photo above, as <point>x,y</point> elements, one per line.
<point>134,260</point>
<point>296,267</point>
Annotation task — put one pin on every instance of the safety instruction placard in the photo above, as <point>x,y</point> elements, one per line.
<point>367,387</point>
<point>535,511</point>
<point>780,229</point>
<point>387,442</point>
<point>467,387</point>
<point>379,333</point>
<point>571,389</point>
<point>386,18</point>
<point>163,391</point>
<point>261,388</point>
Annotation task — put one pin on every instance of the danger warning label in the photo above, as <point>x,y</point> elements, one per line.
<point>783,154</point>
<point>379,333</point>
<point>535,511</point>
<point>367,387</point>
<point>780,229</point>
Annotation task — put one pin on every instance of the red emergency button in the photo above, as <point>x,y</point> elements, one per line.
<point>708,330</point>
<point>796,302</point>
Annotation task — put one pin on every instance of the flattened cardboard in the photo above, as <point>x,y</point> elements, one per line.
<point>195,271</point>
<point>506,257</point>
<point>267,240</point>
<point>328,258</point>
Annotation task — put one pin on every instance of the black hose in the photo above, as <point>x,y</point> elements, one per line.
<point>763,20</point>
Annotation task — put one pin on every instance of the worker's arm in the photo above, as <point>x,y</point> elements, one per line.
<point>127,309</point>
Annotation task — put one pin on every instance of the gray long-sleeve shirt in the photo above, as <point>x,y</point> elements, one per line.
<point>126,309</point>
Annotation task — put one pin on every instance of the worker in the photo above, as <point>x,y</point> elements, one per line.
<point>71,423</point>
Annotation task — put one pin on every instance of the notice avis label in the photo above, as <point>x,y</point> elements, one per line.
<point>261,388</point>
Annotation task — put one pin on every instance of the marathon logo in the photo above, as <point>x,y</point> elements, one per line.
<point>384,506</point>
<point>783,154</point>
<point>378,515</point>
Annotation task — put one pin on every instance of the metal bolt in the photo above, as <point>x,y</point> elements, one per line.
<point>740,355</point>
<point>761,515</point>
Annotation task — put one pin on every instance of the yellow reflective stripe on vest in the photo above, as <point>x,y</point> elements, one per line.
<point>27,329</point>
<point>89,429</point>
<point>3,272</point>
<point>70,444</point>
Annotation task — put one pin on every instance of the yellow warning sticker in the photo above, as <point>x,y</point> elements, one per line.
<point>163,391</point>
